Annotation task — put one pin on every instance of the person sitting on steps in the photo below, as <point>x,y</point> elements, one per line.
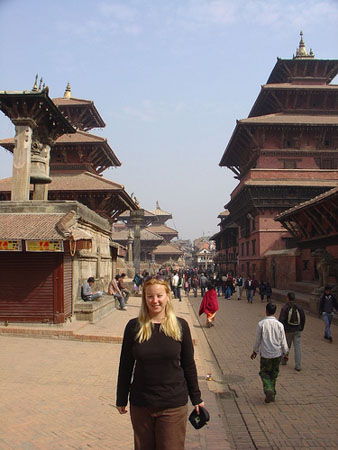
<point>87,294</point>
<point>114,290</point>
<point>123,287</point>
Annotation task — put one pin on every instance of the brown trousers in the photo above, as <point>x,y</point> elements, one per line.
<point>159,429</point>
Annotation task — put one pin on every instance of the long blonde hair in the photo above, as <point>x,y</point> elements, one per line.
<point>170,326</point>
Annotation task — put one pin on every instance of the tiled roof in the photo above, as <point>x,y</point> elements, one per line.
<point>162,229</point>
<point>81,181</point>
<point>146,214</point>
<point>298,182</point>
<point>292,119</point>
<point>159,212</point>
<point>79,137</point>
<point>5,184</point>
<point>167,249</point>
<point>312,201</point>
<point>62,101</point>
<point>146,235</point>
<point>290,86</point>
<point>91,118</point>
<point>30,226</point>
<point>224,213</point>
<point>72,181</point>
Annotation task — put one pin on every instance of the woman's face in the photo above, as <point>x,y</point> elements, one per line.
<point>156,299</point>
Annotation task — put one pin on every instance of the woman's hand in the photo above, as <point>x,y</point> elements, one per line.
<point>197,407</point>
<point>121,409</point>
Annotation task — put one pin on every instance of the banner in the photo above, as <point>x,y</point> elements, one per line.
<point>10,246</point>
<point>44,246</point>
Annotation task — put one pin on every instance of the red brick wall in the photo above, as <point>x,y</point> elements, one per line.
<point>285,270</point>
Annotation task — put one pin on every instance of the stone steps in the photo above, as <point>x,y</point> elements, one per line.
<point>94,311</point>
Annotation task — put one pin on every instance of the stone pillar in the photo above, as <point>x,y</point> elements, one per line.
<point>41,190</point>
<point>22,160</point>
<point>137,219</point>
<point>130,248</point>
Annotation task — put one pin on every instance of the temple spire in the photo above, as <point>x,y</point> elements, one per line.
<point>68,92</point>
<point>301,51</point>
<point>157,205</point>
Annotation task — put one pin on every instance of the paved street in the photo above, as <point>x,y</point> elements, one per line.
<point>305,414</point>
<point>59,393</point>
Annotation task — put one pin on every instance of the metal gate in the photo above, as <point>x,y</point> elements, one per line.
<point>28,291</point>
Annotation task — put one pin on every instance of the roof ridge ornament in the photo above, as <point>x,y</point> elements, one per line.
<point>68,92</point>
<point>301,51</point>
<point>35,86</point>
<point>42,85</point>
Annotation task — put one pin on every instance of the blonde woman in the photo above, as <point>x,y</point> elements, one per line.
<point>157,372</point>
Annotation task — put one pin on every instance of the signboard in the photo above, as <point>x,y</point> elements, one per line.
<point>44,246</point>
<point>10,246</point>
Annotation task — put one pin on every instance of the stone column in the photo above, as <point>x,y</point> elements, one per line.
<point>41,190</point>
<point>130,248</point>
<point>137,219</point>
<point>22,160</point>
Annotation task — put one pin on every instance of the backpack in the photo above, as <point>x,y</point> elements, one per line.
<point>293,316</point>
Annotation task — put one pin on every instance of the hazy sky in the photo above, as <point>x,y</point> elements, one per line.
<point>168,77</point>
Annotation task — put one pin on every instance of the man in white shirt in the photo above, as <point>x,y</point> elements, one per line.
<point>271,341</point>
<point>174,283</point>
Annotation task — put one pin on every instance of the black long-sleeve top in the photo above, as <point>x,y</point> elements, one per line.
<point>327,303</point>
<point>160,372</point>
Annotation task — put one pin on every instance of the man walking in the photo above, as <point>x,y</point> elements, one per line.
<point>250,289</point>
<point>239,284</point>
<point>327,303</point>
<point>203,284</point>
<point>292,317</point>
<point>174,283</point>
<point>271,341</point>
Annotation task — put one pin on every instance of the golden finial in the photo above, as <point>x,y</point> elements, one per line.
<point>68,92</point>
<point>301,50</point>
<point>40,84</point>
<point>35,87</point>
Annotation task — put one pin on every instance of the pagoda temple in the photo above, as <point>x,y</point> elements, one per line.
<point>156,247</point>
<point>77,161</point>
<point>283,154</point>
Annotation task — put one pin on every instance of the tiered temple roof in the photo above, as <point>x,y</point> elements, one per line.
<point>297,95</point>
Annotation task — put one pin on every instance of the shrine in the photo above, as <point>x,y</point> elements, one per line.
<point>56,209</point>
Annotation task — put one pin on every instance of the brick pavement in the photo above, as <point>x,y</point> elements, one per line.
<point>305,414</point>
<point>59,393</point>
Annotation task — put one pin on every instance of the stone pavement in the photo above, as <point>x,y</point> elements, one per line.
<point>305,414</point>
<point>58,386</point>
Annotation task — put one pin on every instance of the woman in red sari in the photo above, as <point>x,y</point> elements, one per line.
<point>209,305</point>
